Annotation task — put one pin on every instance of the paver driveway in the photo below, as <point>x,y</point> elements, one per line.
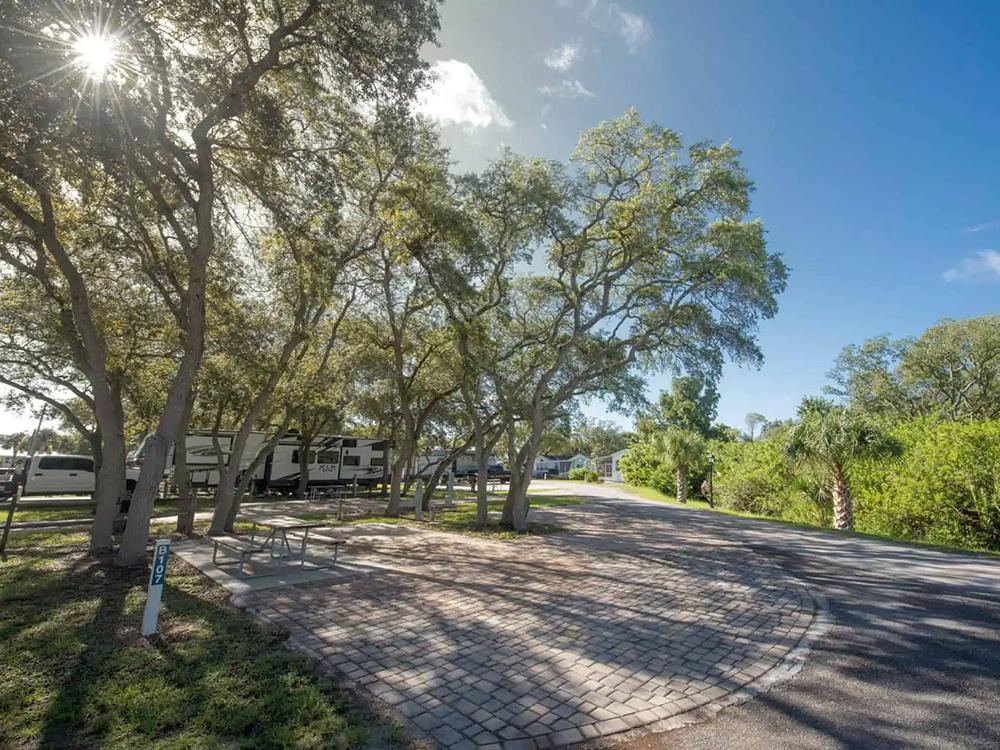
<point>620,623</point>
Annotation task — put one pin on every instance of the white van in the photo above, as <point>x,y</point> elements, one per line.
<point>57,474</point>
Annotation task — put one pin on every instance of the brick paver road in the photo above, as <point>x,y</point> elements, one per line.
<point>622,622</point>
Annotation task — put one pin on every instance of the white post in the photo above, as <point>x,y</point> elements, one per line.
<point>449,498</point>
<point>418,500</point>
<point>354,492</point>
<point>155,592</point>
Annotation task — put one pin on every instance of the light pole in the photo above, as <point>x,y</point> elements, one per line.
<point>711,470</point>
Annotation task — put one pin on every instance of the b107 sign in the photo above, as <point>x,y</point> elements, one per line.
<point>160,563</point>
<point>155,591</point>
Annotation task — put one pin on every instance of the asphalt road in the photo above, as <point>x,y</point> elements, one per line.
<point>911,658</point>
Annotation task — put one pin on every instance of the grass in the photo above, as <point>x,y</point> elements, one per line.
<point>22,514</point>
<point>461,519</point>
<point>85,513</point>
<point>75,672</point>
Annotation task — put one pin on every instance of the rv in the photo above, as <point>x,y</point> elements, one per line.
<point>332,460</point>
<point>463,466</point>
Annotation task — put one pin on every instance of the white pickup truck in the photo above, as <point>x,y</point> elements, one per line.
<point>56,474</point>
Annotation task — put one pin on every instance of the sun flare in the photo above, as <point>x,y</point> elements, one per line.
<point>95,54</point>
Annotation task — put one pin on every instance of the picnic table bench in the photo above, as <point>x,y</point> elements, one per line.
<point>241,547</point>
<point>276,543</point>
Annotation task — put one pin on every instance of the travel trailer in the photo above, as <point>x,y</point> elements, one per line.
<point>461,466</point>
<point>332,460</point>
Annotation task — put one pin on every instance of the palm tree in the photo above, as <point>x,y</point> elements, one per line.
<point>682,448</point>
<point>831,436</point>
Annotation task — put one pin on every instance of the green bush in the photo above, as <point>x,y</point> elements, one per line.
<point>642,466</point>
<point>753,477</point>
<point>582,474</point>
<point>944,489</point>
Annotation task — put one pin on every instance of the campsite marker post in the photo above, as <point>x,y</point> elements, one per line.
<point>155,592</point>
<point>449,498</point>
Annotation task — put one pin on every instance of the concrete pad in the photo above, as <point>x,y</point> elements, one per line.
<point>261,574</point>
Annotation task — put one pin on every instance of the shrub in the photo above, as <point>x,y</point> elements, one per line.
<point>578,474</point>
<point>641,465</point>
<point>943,490</point>
<point>753,477</point>
<point>591,476</point>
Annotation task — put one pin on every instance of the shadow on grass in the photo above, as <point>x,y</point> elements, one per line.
<point>75,672</point>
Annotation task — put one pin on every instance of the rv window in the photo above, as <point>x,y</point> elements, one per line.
<point>351,461</point>
<point>377,461</point>
<point>349,443</point>
<point>329,457</point>
<point>295,457</point>
<point>60,463</point>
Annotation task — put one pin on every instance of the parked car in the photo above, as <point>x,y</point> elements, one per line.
<point>494,473</point>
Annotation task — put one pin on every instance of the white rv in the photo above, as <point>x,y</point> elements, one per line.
<point>332,460</point>
<point>462,466</point>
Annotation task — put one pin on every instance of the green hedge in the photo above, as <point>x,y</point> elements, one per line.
<point>641,465</point>
<point>944,489</point>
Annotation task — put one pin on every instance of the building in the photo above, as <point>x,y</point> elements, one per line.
<point>608,468</point>
<point>559,466</point>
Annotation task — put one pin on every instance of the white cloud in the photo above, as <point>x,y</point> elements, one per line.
<point>982,227</point>
<point>563,57</point>
<point>984,265</point>
<point>634,28</point>
<point>566,90</point>
<point>457,95</point>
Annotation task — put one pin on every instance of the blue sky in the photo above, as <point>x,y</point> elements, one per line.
<point>872,131</point>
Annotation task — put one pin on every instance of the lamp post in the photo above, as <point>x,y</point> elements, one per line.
<point>711,470</point>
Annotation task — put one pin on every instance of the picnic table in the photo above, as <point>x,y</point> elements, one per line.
<point>276,542</point>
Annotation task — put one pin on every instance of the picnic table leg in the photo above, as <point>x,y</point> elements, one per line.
<point>302,552</point>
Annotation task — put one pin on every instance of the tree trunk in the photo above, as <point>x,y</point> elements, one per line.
<point>109,465</point>
<point>482,476</point>
<point>182,478</point>
<point>185,492</point>
<point>136,537</point>
<point>304,445</point>
<point>843,504</point>
<point>682,483</point>
<point>396,478</point>
<point>248,476</point>
<point>507,512</point>
<point>515,510</point>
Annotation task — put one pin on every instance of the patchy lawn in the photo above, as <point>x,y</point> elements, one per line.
<point>29,513</point>
<point>75,673</point>
<point>461,518</point>
<point>85,512</point>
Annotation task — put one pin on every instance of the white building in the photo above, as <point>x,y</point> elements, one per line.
<point>607,467</point>
<point>559,466</point>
